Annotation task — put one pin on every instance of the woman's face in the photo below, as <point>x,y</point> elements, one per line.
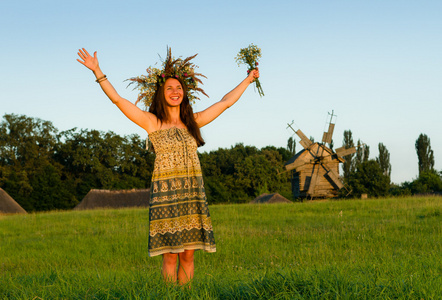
<point>173,92</point>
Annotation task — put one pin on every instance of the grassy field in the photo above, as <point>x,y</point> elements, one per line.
<point>355,249</point>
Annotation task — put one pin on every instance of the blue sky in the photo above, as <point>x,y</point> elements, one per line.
<point>377,64</point>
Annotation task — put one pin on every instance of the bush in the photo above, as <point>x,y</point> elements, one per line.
<point>369,179</point>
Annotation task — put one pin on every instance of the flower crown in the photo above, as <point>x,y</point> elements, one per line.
<point>175,68</point>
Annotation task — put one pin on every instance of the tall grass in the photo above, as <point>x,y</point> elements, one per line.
<point>356,249</point>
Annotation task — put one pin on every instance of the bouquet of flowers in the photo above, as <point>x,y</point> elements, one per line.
<point>249,56</point>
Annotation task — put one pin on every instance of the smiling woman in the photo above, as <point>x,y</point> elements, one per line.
<point>179,216</point>
<point>173,92</point>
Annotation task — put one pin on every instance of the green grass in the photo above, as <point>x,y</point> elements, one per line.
<point>355,249</point>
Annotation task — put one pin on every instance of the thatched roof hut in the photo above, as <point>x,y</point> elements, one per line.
<point>114,199</point>
<point>270,198</point>
<point>8,205</point>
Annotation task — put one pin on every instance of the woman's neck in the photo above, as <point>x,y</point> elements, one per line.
<point>174,118</point>
<point>174,114</point>
<point>175,122</point>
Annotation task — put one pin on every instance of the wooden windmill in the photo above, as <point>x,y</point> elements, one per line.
<point>316,167</point>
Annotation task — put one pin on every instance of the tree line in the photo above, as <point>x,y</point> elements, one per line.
<point>363,175</point>
<point>45,169</point>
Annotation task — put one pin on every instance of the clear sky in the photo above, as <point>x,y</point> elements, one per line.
<point>377,64</point>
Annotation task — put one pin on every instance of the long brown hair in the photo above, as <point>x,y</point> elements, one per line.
<point>158,108</point>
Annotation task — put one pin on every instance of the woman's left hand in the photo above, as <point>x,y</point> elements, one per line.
<point>253,74</point>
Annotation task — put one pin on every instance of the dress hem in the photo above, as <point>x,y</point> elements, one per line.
<point>181,250</point>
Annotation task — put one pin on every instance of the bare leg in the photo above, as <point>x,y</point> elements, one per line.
<point>169,267</point>
<point>186,266</point>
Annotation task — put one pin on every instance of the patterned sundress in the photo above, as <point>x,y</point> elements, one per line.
<point>179,216</point>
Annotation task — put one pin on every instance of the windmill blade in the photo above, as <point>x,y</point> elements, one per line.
<point>344,152</point>
<point>317,150</point>
<point>320,152</point>
<point>313,180</point>
<point>334,178</point>
<point>296,164</point>
<point>331,174</point>
<point>327,136</point>
<point>305,142</point>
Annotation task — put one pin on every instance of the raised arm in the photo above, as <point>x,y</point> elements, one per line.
<point>144,119</point>
<point>211,113</point>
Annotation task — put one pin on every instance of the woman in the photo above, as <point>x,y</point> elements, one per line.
<point>179,219</point>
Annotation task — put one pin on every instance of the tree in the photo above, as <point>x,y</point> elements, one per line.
<point>428,182</point>
<point>369,179</point>
<point>291,145</point>
<point>25,141</point>
<point>93,159</point>
<point>239,174</point>
<point>347,143</point>
<point>362,155</point>
<point>45,170</point>
<point>28,171</point>
<point>384,160</point>
<point>424,153</point>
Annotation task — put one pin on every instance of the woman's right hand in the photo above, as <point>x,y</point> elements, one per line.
<point>90,62</point>
<point>253,75</point>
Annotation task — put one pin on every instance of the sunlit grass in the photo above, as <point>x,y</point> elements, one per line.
<point>355,249</point>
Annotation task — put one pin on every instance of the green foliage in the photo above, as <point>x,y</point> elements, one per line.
<point>369,179</point>
<point>365,176</point>
<point>400,190</point>
<point>291,146</point>
<point>347,166</point>
<point>424,153</point>
<point>384,159</point>
<point>355,249</point>
<point>43,169</point>
<point>27,170</point>
<point>361,156</point>
<point>239,174</point>
<point>114,162</point>
<point>428,182</point>
<point>46,170</point>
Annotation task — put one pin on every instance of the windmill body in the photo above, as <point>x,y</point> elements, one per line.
<point>316,167</point>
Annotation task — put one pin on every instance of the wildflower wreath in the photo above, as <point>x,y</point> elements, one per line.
<point>250,56</point>
<point>171,68</point>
